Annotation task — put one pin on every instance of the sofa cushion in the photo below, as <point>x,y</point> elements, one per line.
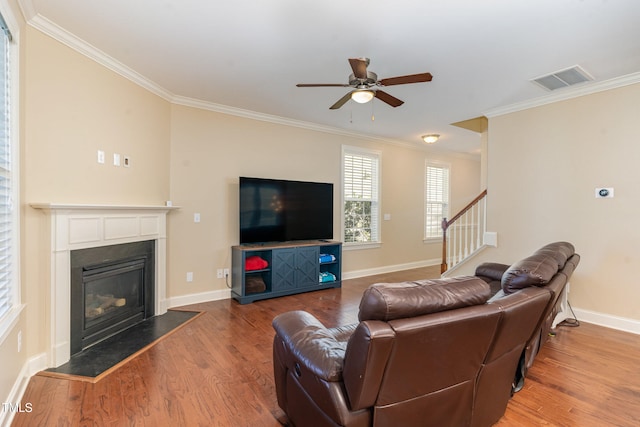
<point>491,270</point>
<point>535,270</point>
<point>560,251</point>
<point>389,301</point>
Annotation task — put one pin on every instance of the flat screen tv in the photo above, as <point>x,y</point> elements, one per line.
<point>273,210</point>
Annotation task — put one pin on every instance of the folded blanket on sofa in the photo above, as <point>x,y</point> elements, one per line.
<point>255,263</point>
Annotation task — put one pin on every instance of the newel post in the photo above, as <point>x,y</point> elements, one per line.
<point>443,265</point>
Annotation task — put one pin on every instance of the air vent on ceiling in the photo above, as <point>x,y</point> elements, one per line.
<point>563,78</point>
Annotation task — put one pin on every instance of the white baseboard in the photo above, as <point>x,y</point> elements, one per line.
<point>15,396</point>
<point>39,362</point>
<point>608,320</point>
<point>389,269</point>
<point>33,365</point>
<point>198,298</point>
<point>179,301</point>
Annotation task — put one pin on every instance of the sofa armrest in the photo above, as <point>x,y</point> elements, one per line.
<point>365,362</point>
<point>312,344</point>
<point>492,270</point>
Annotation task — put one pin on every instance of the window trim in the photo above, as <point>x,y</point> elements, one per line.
<point>348,149</point>
<point>9,320</point>
<point>440,165</point>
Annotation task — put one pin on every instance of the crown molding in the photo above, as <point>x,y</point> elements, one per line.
<point>225,109</point>
<point>239,112</point>
<point>58,33</point>
<point>63,36</point>
<point>27,8</point>
<point>566,94</point>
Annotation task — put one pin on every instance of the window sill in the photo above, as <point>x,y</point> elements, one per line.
<point>358,246</point>
<point>430,240</point>
<point>9,321</point>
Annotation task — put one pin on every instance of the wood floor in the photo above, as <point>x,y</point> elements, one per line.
<point>217,371</point>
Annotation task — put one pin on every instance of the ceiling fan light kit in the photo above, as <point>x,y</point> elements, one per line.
<point>430,139</point>
<point>362,96</point>
<point>363,81</point>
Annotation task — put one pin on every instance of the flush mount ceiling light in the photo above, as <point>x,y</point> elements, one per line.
<point>362,96</point>
<point>430,139</point>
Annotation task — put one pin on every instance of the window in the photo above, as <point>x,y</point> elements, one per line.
<point>360,177</point>
<point>9,287</point>
<point>436,199</point>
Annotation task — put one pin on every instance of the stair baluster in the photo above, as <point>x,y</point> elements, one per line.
<point>457,244</point>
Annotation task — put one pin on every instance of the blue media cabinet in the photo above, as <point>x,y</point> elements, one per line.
<point>292,267</point>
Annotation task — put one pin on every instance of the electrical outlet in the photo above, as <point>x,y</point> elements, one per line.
<point>196,217</point>
<point>220,274</point>
<point>226,272</point>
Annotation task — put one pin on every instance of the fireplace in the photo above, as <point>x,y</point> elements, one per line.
<point>71,227</point>
<point>112,289</point>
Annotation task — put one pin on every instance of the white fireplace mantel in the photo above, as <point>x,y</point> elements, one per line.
<point>76,226</point>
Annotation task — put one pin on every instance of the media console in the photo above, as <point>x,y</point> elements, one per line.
<point>261,271</point>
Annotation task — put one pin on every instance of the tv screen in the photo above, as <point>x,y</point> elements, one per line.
<point>274,210</point>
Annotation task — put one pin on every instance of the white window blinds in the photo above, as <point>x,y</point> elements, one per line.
<point>436,199</point>
<point>360,171</point>
<point>6,185</point>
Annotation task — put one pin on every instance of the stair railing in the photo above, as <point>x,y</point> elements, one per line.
<point>463,234</point>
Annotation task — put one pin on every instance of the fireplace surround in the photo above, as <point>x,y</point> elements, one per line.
<point>72,227</point>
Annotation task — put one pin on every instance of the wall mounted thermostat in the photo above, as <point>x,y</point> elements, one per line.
<point>604,193</point>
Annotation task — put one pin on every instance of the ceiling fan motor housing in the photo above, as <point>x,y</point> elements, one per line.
<point>371,80</point>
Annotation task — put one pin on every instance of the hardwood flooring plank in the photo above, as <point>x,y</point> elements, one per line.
<point>217,371</point>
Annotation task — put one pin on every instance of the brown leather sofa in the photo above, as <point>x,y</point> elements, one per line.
<point>551,267</point>
<point>425,353</point>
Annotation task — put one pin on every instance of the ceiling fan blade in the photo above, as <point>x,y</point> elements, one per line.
<point>359,67</point>
<point>413,78</point>
<point>322,85</point>
<point>341,101</point>
<point>391,100</point>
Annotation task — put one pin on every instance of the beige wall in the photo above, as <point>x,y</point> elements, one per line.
<point>210,150</point>
<point>543,167</point>
<point>72,107</point>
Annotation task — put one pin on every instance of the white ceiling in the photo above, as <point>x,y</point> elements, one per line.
<point>249,55</point>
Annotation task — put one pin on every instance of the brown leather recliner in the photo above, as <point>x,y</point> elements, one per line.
<point>550,267</point>
<point>425,353</point>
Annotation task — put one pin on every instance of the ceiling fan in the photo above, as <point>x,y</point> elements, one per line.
<point>364,81</point>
